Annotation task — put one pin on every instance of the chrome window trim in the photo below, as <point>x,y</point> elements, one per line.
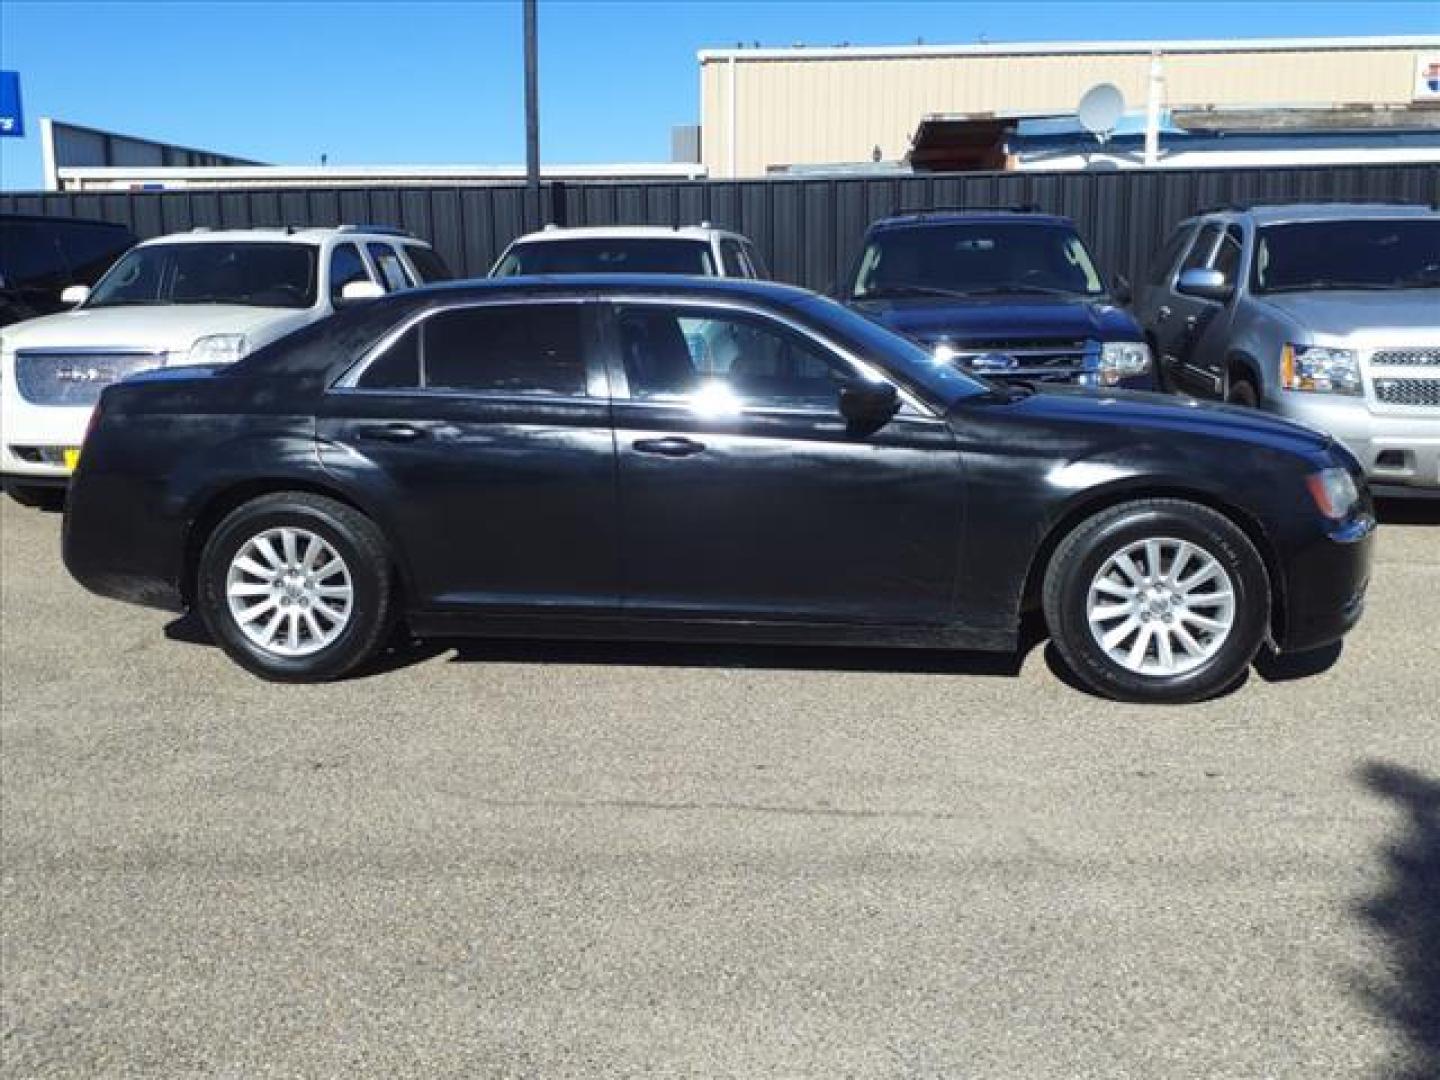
<point>921,410</point>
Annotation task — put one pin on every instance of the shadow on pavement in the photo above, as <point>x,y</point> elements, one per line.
<point>1407,913</point>
<point>1408,511</point>
<point>405,652</point>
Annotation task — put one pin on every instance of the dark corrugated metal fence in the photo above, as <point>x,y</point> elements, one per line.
<point>809,229</point>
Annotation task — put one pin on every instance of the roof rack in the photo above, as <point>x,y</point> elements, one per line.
<point>979,208</point>
<point>381,230</point>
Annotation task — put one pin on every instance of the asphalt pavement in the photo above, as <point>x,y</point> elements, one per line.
<point>530,860</point>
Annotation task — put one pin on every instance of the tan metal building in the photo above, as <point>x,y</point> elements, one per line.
<point>766,109</point>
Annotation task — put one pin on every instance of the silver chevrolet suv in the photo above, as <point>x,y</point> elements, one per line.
<point>1328,314</point>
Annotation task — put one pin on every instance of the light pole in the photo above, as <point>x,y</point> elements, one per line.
<point>532,120</point>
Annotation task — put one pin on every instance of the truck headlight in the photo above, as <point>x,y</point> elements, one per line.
<point>1334,491</point>
<point>1123,360</point>
<point>1320,369</point>
<point>217,349</point>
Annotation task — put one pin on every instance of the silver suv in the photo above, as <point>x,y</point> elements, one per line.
<point>1328,314</point>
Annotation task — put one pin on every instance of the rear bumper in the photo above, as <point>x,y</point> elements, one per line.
<point>117,542</point>
<point>1325,584</point>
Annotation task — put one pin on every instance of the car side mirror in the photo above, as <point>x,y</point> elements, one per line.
<point>868,406</point>
<point>75,294</point>
<point>1206,284</point>
<point>352,291</point>
<point>1122,292</point>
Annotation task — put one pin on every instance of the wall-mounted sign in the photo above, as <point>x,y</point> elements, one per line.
<point>1427,76</point>
<point>12,117</point>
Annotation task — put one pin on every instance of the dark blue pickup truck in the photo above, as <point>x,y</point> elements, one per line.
<point>1009,294</point>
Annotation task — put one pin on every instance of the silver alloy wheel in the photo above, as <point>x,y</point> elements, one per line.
<point>289,591</point>
<point>1161,606</point>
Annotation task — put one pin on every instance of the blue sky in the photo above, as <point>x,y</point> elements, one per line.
<point>441,82</point>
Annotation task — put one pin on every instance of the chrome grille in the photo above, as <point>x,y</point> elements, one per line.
<point>1422,393</point>
<point>74,376</point>
<point>1032,359</point>
<point>1424,356</point>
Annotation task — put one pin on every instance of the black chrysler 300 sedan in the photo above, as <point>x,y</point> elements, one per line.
<point>675,458</point>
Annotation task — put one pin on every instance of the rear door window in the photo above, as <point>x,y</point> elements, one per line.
<point>393,274</point>
<point>732,257</point>
<point>494,349</point>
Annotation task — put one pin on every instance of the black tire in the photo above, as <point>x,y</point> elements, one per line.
<point>357,541</point>
<point>1242,392</point>
<point>1080,557</point>
<point>39,496</point>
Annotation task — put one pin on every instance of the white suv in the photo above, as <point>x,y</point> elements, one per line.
<point>633,249</point>
<point>201,297</point>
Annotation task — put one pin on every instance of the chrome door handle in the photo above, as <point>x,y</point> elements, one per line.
<point>1162,313</point>
<point>672,446</point>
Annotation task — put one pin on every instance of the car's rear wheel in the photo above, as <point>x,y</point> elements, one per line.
<point>1158,600</point>
<point>296,587</point>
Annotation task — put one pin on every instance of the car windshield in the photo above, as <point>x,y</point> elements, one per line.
<point>618,256</point>
<point>1364,253</point>
<point>976,258</point>
<point>255,274</point>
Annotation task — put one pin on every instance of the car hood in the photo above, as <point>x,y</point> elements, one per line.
<point>171,328</point>
<point>1368,313</point>
<point>999,319</point>
<point>1136,412</point>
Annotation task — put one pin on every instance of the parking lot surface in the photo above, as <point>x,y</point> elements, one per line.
<point>583,860</point>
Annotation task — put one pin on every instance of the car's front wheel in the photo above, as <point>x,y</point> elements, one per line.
<point>1159,600</point>
<point>296,587</point>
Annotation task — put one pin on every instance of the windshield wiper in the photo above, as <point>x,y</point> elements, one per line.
<point>124,303</point>
<point>907,289</point>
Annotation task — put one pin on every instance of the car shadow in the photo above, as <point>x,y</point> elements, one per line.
<point>404,651</point>
<point>1408,511</point>
<point>1406,914</point>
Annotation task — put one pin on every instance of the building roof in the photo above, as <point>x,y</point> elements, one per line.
<point>1074,48</point>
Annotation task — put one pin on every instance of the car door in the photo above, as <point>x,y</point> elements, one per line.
<point>482,435</point>
<point>745,495</point>
<point>1209,353</point>
<point>1178,320</point>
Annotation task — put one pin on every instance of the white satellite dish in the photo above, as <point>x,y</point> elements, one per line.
<point>1100,109</point>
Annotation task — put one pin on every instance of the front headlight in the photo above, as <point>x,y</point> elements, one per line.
<point>217,349</point>
<point>1320,369</point>
<point>1334,491</point>
<point>1123,360</point>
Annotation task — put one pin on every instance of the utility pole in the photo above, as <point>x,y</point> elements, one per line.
<point>1152,111</point>
<point>532,120</point>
